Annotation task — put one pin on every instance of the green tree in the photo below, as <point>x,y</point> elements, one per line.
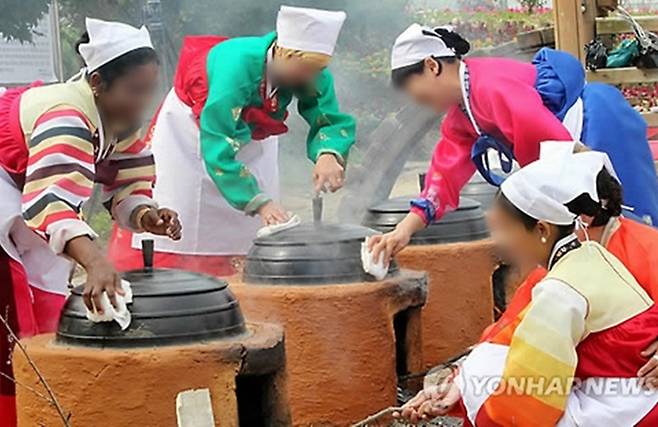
<point>72,22</point>
<point>19,17</point>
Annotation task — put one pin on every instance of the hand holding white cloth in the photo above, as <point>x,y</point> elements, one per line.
<point>268,230</point>
<point>376,269</point>
<point>121,314</point>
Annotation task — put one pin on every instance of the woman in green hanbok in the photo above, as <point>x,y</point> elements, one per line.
<point>215,136</point>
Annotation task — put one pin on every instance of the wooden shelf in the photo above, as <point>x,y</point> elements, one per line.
<point>626,75</point>
<point>615,25</point>
<point>651,119</point>
<point>536,38</point>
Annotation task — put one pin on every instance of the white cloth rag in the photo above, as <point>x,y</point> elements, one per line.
<point>376,269</point>
<point>268,230</point>
<point>121,315</point>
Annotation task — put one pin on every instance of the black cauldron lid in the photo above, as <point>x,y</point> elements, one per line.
<point>467,223</point>
<point>169,307</point>
<point>310,254</point>
<point>480,190</point>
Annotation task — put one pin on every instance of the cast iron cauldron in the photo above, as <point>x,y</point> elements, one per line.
<point>169,307</point>
<point>480,190</point>
<point>312,253</point>
<point>467,223</point>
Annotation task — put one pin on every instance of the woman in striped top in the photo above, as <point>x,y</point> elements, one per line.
<point>56,142</point>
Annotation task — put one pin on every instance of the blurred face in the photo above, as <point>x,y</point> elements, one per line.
<point>436,87</point>
<point>124,103</point>
<point>516,244</point>
<point>294,71</point>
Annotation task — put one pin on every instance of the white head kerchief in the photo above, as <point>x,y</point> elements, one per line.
<point>542,188</point>
<point>578,170</point>
<point>533,192</point>
<point>416,44</point>
<point>109,40</point>
<point>308,30</point>
<point>553,149</point>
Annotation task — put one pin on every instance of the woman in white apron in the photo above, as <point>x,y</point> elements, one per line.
<point>509,107</point>
<point>56,141</point>
<point>215,137</point>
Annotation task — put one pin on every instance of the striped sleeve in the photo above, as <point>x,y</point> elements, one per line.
<point>133,185</point>
<point>59,177</point>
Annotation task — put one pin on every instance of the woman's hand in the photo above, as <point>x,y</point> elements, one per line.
<point>272,213</point>
<point>328,174</point>
<point>649,372</point>
<point>101,277</point>
<point>162,222</point>
<point>385,246</point>
<point>389,244</point>
<point>434,401</point>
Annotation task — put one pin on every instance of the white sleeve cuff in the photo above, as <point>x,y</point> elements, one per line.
<point>122,212</point>
<point>339,157</point>
<point>60,232</point>
<point>254,204</point>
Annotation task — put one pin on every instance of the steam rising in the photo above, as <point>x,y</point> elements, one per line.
<point>393,138</point>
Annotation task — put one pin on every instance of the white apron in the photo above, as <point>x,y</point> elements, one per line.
<point>210,225</point>
<point>45,270</point>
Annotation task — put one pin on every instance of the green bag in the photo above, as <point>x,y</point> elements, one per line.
<point>624,55</point>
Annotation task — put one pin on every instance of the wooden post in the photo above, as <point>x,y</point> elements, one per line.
<point>588,26</point>
<point>568,27</point>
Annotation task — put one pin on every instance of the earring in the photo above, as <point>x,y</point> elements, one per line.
<point>543,240</point>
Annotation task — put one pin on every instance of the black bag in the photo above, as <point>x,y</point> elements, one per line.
<point>596,55</point>
<point>648,58</point>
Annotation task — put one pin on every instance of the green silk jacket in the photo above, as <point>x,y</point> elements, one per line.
<point>235,70</point>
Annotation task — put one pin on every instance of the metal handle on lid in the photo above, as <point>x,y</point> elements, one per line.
<point>317,209</point>
<point>421,181</point>
<point>147,253</point>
